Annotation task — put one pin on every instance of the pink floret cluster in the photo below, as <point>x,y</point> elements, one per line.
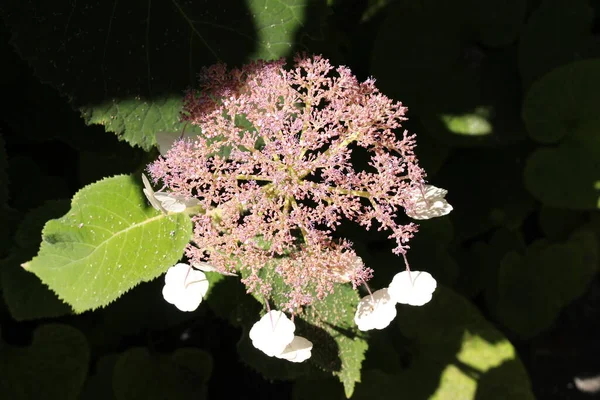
<point>273,172</point>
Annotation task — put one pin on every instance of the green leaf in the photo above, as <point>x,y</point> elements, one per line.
<point>126,65</point>
<point>542,47</point>
<point>449,338</point>
<point>24,294</point>
<point>564,103</point>
<point>139,374</point>
<point>480,263</point>
<point>339,346</point>
<point>228,299</point>
<point>137,120</point>
<point>54,366</point>
<point>447,351</point>
<point>107,243</point>
<point>98,386</point>
<point>566,176</point>
<point>534,287</point>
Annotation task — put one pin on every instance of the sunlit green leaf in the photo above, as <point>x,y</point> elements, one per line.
<point>107,243</point>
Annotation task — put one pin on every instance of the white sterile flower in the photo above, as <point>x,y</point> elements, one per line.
<point>149,192</point>
<point>429,203</point>
<point>206,267</point>
<point>272,333</point>
<point>412,287</point>
<point>174,203</point>
<point>184,287</point>
<point>375,311</point>
<point>166,202</point>
<point>297,351</point>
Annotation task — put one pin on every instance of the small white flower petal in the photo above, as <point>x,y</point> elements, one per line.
<point>376,311</point>
<point>206,267</point>
<point>430,203</point>
<point>298,350</point>
<point>414,288</point>
<point>184,287</point>
<point>149,193</point>
<point>175,203</point>
<point>170,202</point>
<point>272,333</point>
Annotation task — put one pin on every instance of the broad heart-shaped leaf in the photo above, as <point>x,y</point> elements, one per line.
<point>564,103</point>
<point>480,263</point>
<point>54,366</point>
<point>443,350</point>
<point>566,176</point>
<point>542,47</point>
<point>534,287</point>
<point>24,294</point>
<point>127,64</point>
<point>138,374</point>
<point>107,243</point>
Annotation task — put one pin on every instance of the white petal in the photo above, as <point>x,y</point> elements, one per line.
<point>414,288</point>
<point>429,204</point>
<point>376,311</point>
<point>272,333</point>
<point>184,287</point>
<point>174,203</point>
<point>149,192</point>
<point>298,350</point>
<point>206,267</point>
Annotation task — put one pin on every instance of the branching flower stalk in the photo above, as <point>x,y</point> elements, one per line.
<point>275,168</point>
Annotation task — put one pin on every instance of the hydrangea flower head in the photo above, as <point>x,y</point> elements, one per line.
<point>185,287</point>
<point>272,333</point>
<point>414,288</point>
<point>275,171</point>
<point>375,311</point>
